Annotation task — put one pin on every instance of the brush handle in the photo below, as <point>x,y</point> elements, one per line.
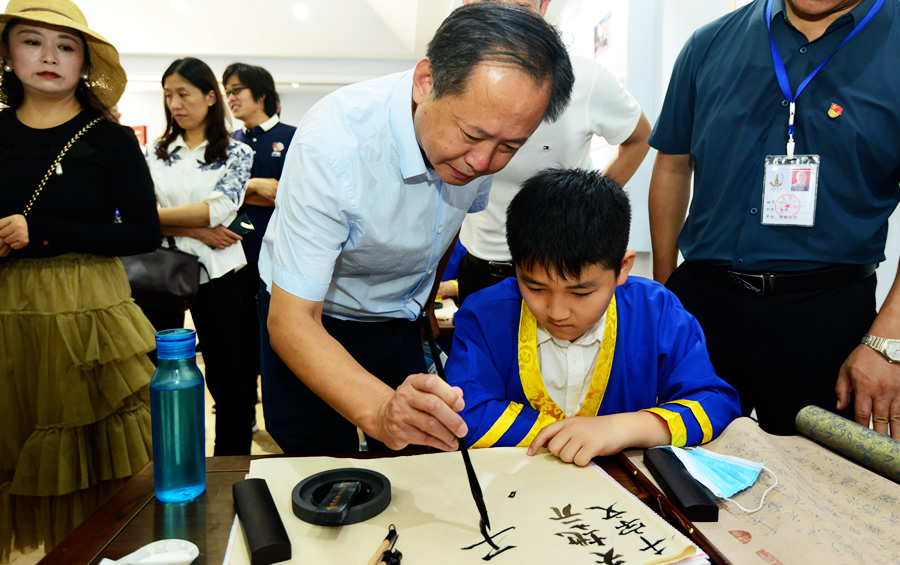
<point>463,447</point>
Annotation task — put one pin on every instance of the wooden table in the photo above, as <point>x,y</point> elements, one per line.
<point>133,517</point>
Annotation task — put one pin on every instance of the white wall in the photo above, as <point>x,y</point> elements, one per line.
<point>653,44</point>
<point>657,29</point>
<point>888,270</point>
<point>142,102</point>
<point>146,108</point>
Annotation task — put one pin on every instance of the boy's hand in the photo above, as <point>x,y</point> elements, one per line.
<point>580,439</point>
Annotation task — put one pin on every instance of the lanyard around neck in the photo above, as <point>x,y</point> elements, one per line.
<point>781,72</point>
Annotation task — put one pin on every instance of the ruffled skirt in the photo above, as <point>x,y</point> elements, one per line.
<point>74,393</point>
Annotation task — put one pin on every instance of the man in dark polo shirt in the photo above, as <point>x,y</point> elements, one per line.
<point>781,280</point>
<point>251,96</point>
<point>250,91</point>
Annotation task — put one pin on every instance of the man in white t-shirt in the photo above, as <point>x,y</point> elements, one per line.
<point>600,106</point>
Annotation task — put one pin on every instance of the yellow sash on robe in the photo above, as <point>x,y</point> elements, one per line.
<point>539,399</point>
<point>530,371</point>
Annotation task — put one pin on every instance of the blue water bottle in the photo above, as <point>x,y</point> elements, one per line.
<point>176,409</point>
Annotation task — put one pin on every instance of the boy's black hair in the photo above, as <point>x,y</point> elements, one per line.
<point>567,219</point>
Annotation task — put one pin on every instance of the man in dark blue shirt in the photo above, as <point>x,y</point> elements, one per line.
<point>251,95</point>
<point>785,302</point>
<point>250,92</point>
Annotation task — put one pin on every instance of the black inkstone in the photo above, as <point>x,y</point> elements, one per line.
<point>371,498</point>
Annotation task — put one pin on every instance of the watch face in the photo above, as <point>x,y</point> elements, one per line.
<point>892,349</point>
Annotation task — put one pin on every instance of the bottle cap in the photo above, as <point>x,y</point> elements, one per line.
<point>179,343</point>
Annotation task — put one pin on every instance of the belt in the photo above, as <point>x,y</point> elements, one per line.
<point>499,269</point>
<point>801,281</point>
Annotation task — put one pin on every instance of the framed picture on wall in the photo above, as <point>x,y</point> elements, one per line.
<point>141,133</point>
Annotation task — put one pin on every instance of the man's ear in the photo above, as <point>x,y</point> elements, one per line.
<point>543,7</point>
<point>423,81</point>
<point>625,267</point>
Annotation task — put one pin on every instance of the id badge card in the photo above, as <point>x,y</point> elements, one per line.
<point>790,189</point>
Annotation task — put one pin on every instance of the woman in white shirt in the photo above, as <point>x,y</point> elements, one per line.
<point>201,175</point>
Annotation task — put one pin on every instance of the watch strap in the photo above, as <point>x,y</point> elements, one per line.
<point>875,342</point>
<point>886,346</point>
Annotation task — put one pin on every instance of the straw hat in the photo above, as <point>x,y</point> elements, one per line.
<point>107,77</point>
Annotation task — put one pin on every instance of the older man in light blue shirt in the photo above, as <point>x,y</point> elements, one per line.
<point>341,228</point>
<point>378,180</point>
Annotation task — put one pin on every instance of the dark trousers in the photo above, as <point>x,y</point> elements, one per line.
<point>231,361</point>
<point>474,274</point>
<point>780,351</point>
<point>248,281</point>
<point>301,422</point>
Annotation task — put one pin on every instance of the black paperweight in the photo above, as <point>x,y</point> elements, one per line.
<point>267,539</point>
<point>689,496</point>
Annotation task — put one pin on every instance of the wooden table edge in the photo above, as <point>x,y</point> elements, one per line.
<point>667,510</point>
<point>90,539</point>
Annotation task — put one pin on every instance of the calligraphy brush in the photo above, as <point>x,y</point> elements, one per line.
<point>484,523</point>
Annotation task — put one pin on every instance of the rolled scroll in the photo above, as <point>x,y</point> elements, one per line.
<point>869,448</point>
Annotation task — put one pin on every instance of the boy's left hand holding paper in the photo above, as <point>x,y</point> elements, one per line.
<point>580,439</point>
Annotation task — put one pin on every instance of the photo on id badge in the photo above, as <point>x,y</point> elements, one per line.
<point>789,192</point>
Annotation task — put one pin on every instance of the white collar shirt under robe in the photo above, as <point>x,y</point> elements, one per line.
<point>568,367</point>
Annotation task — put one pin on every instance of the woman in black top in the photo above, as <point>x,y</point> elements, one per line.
<point>74,375</point>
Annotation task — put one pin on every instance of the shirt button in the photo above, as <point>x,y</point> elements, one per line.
<point>784,102</point>
<point>430,271</point>
<point>803,50</point>
<point>740,261</point>
<point>440,230</point>
<point>409,299</point>
<point>254,140</point>
<point>754,211</point>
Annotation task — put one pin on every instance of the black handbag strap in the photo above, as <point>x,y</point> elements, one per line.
<point>171,241</point>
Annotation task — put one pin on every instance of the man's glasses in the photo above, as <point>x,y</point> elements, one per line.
<point>236,90</point>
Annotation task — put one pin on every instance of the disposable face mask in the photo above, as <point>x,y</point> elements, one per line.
<point>723,475</point>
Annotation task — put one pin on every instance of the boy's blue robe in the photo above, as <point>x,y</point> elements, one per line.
<point>660,363</point>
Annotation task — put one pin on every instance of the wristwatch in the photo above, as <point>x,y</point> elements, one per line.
<point>890,348</point>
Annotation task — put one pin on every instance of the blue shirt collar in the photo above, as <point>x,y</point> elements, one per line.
<point>412,163</point>
<point>856,14</point>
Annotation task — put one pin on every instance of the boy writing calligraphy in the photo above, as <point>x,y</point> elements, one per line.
<point>574,355</point>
